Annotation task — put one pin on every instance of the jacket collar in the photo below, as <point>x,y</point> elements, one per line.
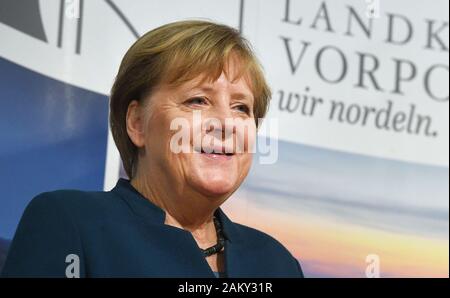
<point>150,212</point>
<point>238,256</point>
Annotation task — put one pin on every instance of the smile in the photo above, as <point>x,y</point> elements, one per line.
<point>215,154</point>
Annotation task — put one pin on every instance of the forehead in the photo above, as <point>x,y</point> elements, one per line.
<point>231,73</point>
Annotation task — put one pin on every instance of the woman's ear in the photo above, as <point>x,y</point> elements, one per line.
<point>135,124</point>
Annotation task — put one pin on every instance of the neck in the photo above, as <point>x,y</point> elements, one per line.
<point>184,208</point>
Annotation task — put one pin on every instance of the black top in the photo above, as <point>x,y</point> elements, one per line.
<point>120,233</point>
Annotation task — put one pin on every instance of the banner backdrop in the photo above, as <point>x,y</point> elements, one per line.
<point>355,181</point>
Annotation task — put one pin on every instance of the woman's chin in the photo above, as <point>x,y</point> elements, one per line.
<point>215,187</point>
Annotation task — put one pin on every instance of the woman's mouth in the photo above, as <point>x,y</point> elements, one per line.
<point>218,154</point>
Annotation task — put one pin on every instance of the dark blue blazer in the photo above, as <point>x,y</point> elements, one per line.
<point>121,234</point>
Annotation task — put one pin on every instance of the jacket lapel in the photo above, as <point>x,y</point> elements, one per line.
<point>237,248</point>
<point>238,251</point>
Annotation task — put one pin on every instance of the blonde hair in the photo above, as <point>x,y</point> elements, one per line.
<point>176,53</point>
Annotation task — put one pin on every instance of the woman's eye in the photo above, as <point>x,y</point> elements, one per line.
<point>243,109</point>
<point>196,101</point>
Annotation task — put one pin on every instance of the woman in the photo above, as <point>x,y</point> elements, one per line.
<point>166,220</point>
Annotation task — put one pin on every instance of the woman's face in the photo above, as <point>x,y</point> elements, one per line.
<point>197,120</point>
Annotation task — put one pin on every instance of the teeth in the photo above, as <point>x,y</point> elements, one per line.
<point>218,153</point>
<point>212,152</point>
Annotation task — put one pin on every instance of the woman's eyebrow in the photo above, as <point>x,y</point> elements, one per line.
<point>248,96</point>
<point>240,95</point>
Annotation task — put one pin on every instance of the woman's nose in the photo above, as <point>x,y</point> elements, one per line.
<point>219,120</point>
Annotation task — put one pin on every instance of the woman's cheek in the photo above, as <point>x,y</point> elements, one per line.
<point>246,136</point>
